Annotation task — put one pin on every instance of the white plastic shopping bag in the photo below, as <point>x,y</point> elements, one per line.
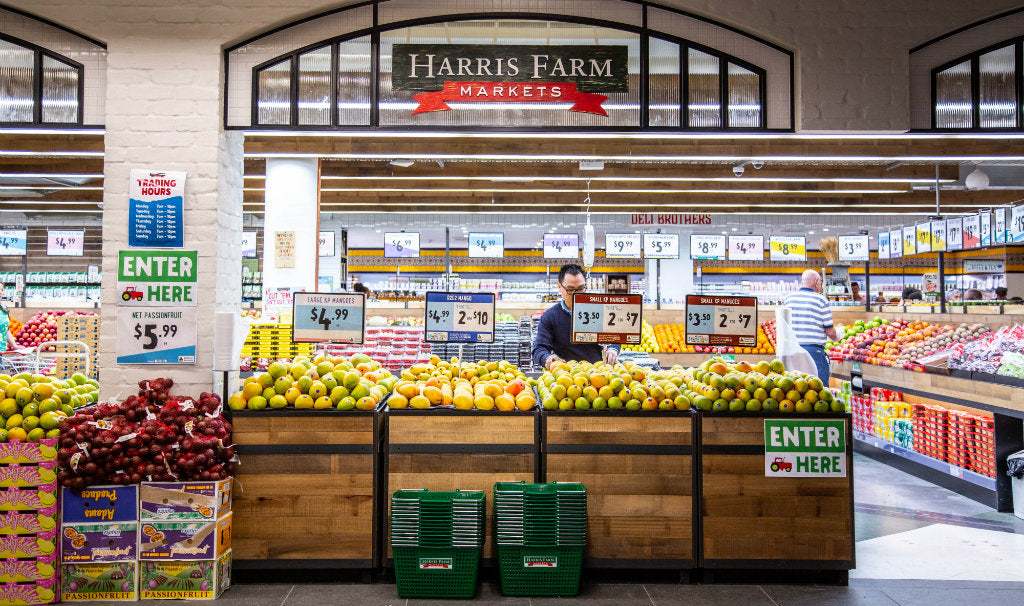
<point>788,349</point>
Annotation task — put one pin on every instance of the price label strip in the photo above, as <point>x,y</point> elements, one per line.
<point>602,319</point>
<point>788,248</point>
<point>459,317</point>
<point>328,317</point>
<point>157,335</point>
<point>726,321</point>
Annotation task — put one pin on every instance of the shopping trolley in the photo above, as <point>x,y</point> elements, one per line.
<point>42,359</point>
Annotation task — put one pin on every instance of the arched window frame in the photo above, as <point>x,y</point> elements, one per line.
<point>974,60</point>
<point>37,83</point>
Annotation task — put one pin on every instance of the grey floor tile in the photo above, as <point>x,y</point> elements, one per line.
<point>601,594</point>
<point>708,595</point>
<point>488,594</point>
<point>918,596</point>
<point>801,595</point>
<point>359,594</point>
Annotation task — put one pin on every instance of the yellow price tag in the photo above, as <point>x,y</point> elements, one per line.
<point>782,248</point>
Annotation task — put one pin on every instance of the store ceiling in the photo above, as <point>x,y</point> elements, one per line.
<point>47,173</point>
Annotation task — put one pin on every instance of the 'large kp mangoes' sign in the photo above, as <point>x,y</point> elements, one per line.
<point>510,73</point>
<point>805,448</point>
<point>165,278</point>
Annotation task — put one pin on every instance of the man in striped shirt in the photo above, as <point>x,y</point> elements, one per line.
<point>812,320</point>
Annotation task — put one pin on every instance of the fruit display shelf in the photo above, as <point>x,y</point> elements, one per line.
<point>306,473</point>
<point>926,461</point>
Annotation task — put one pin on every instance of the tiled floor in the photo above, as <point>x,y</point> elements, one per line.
<point>918,545</point>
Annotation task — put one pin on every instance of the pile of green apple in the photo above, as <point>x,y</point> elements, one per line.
<point>850,332</point>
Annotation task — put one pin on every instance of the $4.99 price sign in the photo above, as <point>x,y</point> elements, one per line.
<point>328,317</point>
<point>65,242</point>
<point>606,318</point>
<point>730,321</point>
<point>459,318</point>
<point>156,335</point>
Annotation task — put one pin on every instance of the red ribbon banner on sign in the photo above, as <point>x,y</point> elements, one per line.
<point>490,92</point>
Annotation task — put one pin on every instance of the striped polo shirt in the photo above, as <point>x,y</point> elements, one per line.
<point>809,315</point>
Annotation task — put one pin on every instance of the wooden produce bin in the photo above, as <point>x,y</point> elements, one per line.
<point>446,449</point>
<point>304,496</point>
<point>750,521</point>
<point>638,468</point>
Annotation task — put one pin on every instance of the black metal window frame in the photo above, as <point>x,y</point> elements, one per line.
<point>37,83</point>
<point>374,34</point>
<point>975,61</point>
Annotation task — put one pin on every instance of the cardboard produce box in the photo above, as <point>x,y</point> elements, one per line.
<point>117,581</point>
<point>101,504</point>
<point>185,500</point>
<point>116,542</point>
<point>184,580</point>
<point>180,540</point>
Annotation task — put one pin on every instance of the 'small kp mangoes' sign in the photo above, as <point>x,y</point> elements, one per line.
<point>510,73</point>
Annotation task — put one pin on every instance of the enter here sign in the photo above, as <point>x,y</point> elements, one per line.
<point>156,277</point>
<point>802,448</point>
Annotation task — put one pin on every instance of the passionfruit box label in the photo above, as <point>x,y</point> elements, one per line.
<point>99,542</point>
<point>184,540</point>
<point>185,500</point>
<point>101,505</point>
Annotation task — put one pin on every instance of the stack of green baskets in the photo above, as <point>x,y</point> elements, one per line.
<point>436,540</point>
<point>540,531</point>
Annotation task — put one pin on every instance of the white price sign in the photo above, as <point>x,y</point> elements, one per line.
<point>895,244</point>
<point>883,245</point>
<point>600,319</point>
<point>909,240</point>
<point>325,248</point>
<point>923,237</point>
<point>938,229</point>
<point>985,217</point>
<point>401,244</point>
<point>661,246</point>
<point>853,248</point>
<point>999,237</point>
<point>486,246</point>
<point>707,247</point>
<point>561,246</point>
<point>157,335</point>
<point>1017,224</point>
<point>972,231</point>
<point>248,245</point>
<point>954,234</point>
<point>622,246</point>
<point>65,242</point>
<point>746,248</point>
<point>13,242</point>
<point>788,248</point>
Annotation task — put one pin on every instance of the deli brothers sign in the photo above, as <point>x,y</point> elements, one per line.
<point>510,73</point>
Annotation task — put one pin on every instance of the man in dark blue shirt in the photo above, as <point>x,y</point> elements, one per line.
<point>554,334</point>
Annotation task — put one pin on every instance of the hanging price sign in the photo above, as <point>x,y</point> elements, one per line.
<point>1017,224</point>
<point>954,234</point>
<point>938,229</point>
<point>65,242</point>
<point>13,242</point>
<point>401,244</point>
<point>746,248</point>
<point>661,246</point>
<point>972,231</point>
<point>923,236</point>
<point>622,246</point>
<point>883,245</point>
<point>157,335</point>
<point>327,317</point>
<point>895,244</point>
<point>985,217</point>
<point>248,245</point>
<point>485,246</point>
<point>606,318</point>
<point>853,248</point>
<point>787,248</point>
<point>729,321</point>
<point>459,318</point>
<point>561,246</point>
<point>909,240</point>
<point>325,245</point>
<point>999,235</point>
<point>707,247</point>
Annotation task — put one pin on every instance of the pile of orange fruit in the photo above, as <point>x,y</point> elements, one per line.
<point>672,339</point>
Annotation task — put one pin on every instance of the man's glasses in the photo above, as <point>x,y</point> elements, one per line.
<point>573,291</point>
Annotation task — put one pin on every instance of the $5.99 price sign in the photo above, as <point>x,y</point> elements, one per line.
<point>606,318</point>
<point>157,335</point>
<point>459,318</point>
<point>328,317</point>
<point>730,321</point>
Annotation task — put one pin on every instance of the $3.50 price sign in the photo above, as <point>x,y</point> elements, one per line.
<point>459,317</point>
<point>714,320</point>
<point>328,317</point>
<point>606,318</point>
<point>156,335</point>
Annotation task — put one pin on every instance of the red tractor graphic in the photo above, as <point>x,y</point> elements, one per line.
<point>780,463</point>
<point>131,293</point>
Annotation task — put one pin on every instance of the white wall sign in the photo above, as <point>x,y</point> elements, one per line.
<point>401,244</point>
<point>985,217</point>
<point>157,335</point>
<point>1017,224</point>
<point>561,246</point>
<point>661,246</point>
<point>248,245</point>
<point>999,235</point>
<point>622,246</point>
<point>703,246</point>
<point>980,266</point>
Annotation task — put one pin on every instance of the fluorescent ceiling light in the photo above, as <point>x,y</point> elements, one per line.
<point>794,159</point>
<point>402,163</point>
<point>498,179</point>
<point>660,136</point>
<point>824,192</point>
<point>51,175</point>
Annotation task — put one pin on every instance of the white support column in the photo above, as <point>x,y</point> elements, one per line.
<point>291,205</point>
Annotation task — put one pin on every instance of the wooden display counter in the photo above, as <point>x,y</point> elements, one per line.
<point>751,521</point>
<point>638,468</point>
<point>447,449</point>
<point>305,489</point>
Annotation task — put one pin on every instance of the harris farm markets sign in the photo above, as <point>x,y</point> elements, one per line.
<point>480,73</point>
